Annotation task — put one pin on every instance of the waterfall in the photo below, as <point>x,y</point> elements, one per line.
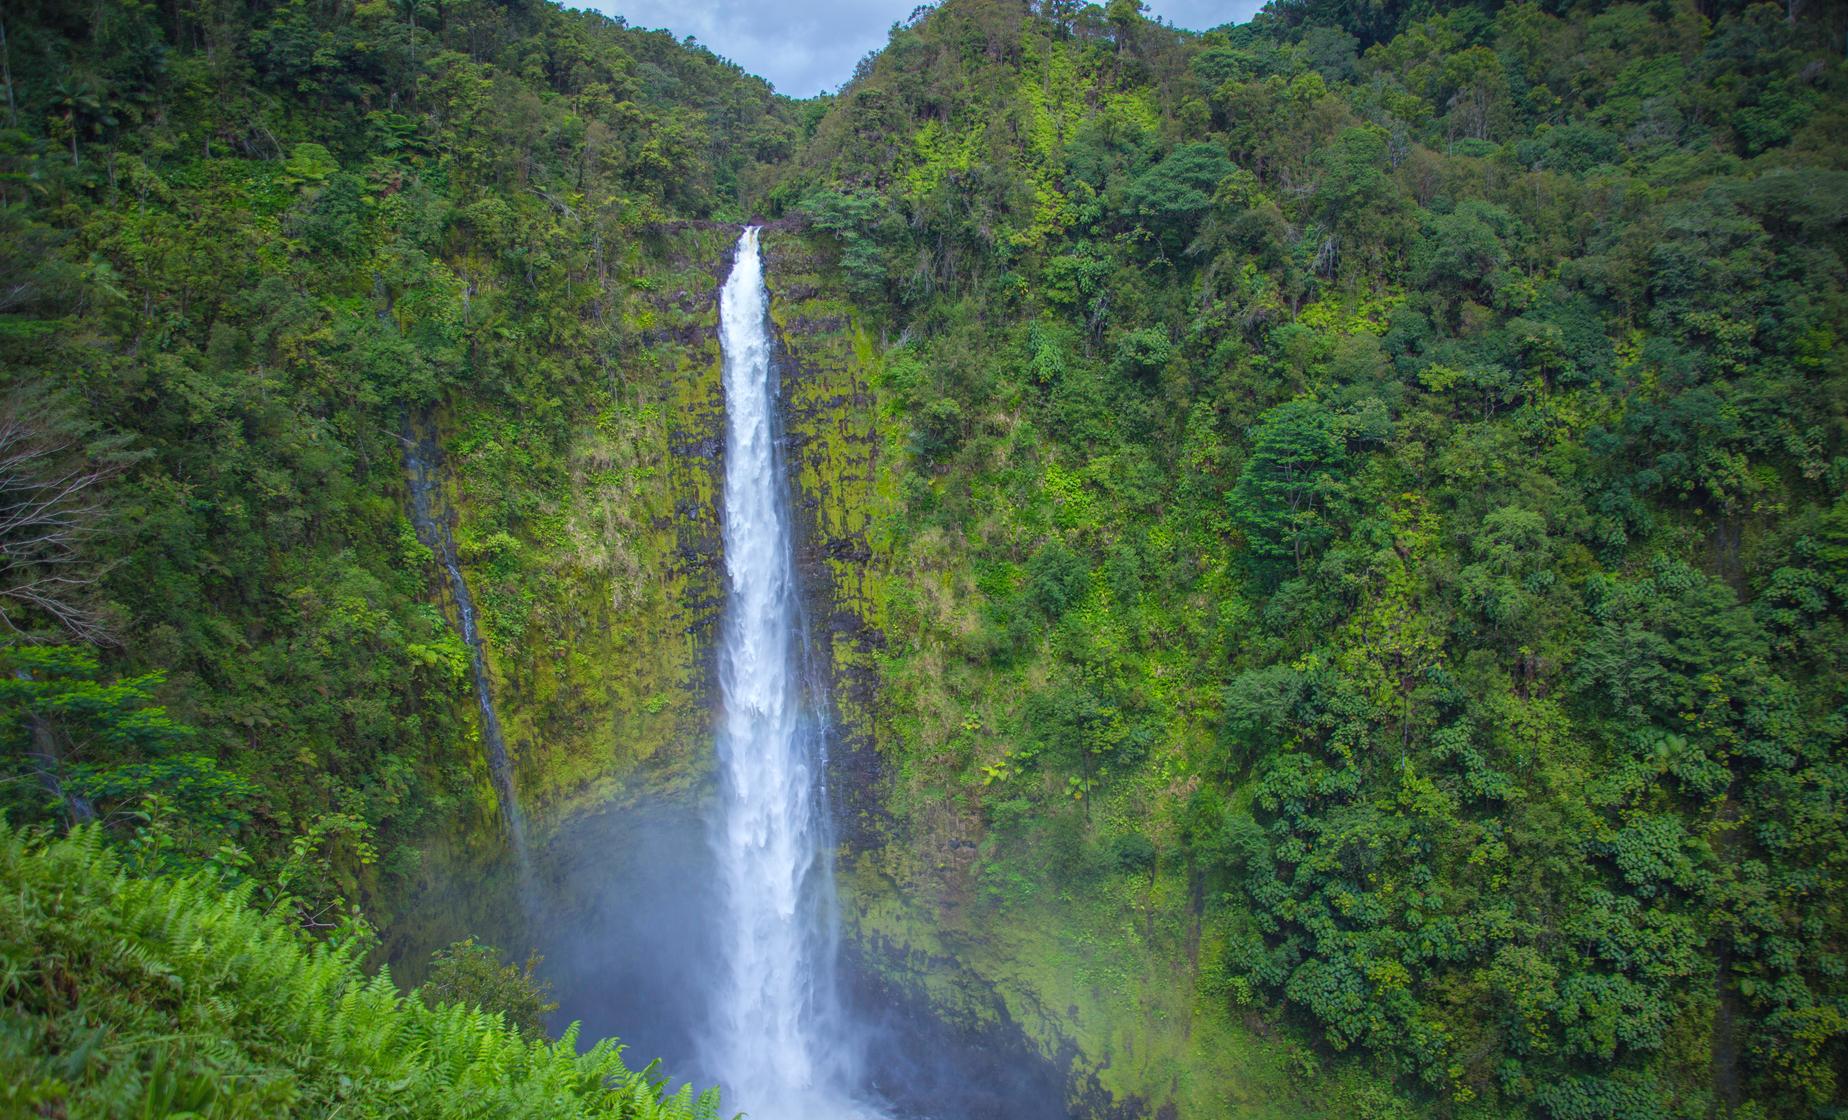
<point>433,530</point>
<point>777,1041</point>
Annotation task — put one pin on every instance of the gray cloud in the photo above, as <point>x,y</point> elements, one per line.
<point>1202,14</point>
<point>805,47</point>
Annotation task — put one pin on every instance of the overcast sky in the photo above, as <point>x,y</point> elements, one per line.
<point>807,47</point>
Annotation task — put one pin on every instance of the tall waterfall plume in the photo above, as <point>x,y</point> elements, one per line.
<point>778,1040</point>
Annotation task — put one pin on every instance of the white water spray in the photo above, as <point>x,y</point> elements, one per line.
<point>777,1042</point>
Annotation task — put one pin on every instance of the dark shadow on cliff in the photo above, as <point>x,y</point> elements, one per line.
<point>930,1069</point>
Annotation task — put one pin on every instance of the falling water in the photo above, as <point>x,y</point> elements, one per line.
<point>433,530</point>
<point>777,1039</point>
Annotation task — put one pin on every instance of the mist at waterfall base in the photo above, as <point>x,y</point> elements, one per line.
<point>627,923</point>
<point>706,935</point>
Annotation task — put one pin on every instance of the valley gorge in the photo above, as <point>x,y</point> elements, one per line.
<point>1286,570</point>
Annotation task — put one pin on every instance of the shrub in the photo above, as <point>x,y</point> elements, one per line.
<point>1133,853</point>
<point>472,975</point>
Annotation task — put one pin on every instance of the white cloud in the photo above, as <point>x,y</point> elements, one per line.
<point>805,47</point>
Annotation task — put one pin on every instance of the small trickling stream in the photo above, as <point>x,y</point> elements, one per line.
<point>431,521</point>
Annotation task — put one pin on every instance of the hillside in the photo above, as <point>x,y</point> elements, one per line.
<point>172,996</point>
<point>1367,540</point>
<point>250,256</point>
<point>1328,533</point>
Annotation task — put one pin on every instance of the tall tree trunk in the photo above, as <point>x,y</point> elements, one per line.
<point>6,78</point>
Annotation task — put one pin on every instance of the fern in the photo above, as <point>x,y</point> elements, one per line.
<point>130,996</point>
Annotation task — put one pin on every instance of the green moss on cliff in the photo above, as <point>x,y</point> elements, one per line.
<point>595,565</point>
<point>1102,971</point>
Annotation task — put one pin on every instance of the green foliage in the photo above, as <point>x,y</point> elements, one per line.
<point>1134,853</point>
<point>245,249</point>
<point>1057,578</point>
<point>60,683</point>
<point>1401,464</point>
<point>867,232</point>
<point>309,163</point>
<point>1173,195</point>
<point>172,995</point>
<point>939,430</point>
<point>1283,491</point>
<point>1462,253</point>
<point>1143,353</point>
<point>1354,508</point>
<point>472,975</point>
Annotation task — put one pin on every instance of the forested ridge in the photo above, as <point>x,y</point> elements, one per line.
<point>248,251</point>
<point>1357,531</point>
<point>1383,477</point>
<point>244,245</point>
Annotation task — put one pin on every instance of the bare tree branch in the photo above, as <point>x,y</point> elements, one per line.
<point>50,507</point>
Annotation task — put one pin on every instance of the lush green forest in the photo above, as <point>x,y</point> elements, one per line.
<point>248,252</point>
<point>1355,527</point>
<point>169,996</point>
<point>245,247</point>
<point>1378,478</point>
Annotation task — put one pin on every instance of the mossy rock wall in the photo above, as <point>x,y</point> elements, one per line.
<point>599,608</point>
<point>825,361</point>
<point>614,677</point>
<point>610,672</point>
<point>1107,985</point>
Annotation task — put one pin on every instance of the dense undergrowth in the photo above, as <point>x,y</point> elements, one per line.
<point>132,995</point>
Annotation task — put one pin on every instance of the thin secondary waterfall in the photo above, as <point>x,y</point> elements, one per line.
<point>432,528</point>
<point>777,1040</point>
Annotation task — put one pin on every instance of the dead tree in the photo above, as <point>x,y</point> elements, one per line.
<point>50,509</point>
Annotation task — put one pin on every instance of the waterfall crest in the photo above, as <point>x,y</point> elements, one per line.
<point>778,1040</point>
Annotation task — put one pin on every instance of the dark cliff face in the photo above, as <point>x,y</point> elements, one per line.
<point>831,447</point>
<point>696,441</point>
<point>605,685</point>
<point>940,1035</point>
<point>919,965</point>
